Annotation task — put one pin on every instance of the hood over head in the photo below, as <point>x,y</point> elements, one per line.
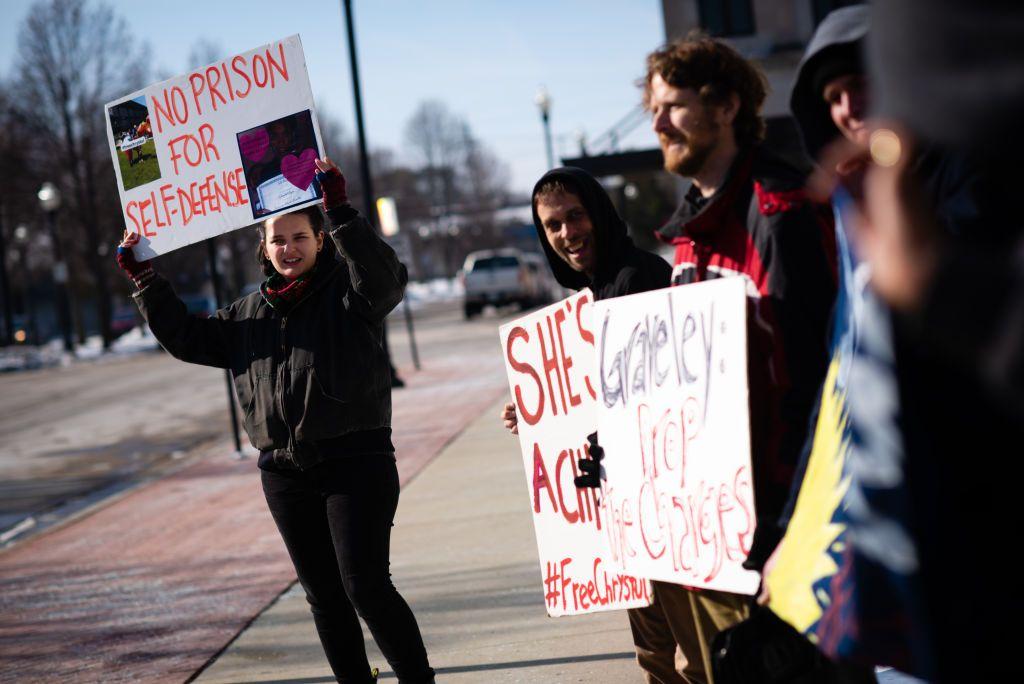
<point>610,234</point>
<point>835,50</point>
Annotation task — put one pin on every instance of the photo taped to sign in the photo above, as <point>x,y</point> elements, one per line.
<point>134,147</point>
<point>278,160</point>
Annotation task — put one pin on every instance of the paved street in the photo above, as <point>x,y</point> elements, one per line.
<point>93,427</point>
<point>75,435</point>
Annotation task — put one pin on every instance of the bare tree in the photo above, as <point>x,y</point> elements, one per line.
<point>72,58</point>
<point>204,51</point>
<point>484,177</point>
<point>436,136</point>
<point>459,168</point>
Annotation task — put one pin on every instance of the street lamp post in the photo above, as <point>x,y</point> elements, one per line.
<point>364,159</point>
<point>218,290</point>
<point>49,201</point>
<point>581,140</point>
<point>5,283</point>
<point>21,238</point>
<point>543,100</point>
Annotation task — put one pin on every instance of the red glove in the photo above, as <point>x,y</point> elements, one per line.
<point>333,184</point>
<point>141,272</point>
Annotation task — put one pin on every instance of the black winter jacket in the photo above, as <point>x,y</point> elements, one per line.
<point>622,267</point>
<point>317,373</point>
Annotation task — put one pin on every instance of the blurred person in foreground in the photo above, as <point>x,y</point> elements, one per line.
<point>312,377</point>
<point>746,214</point>
<point>950,74</point>
<point>870,404</point>
<point>807,578</point>
<point>932,479</point>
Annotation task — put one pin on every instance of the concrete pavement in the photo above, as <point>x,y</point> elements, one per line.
<point>464,557</point>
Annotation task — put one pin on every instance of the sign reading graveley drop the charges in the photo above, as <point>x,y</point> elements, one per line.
<point>549,357</point>
<point>223,146</point>
<point>678,501</point>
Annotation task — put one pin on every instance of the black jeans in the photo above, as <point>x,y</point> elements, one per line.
<point>336,521</point>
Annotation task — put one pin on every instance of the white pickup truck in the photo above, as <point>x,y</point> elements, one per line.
<point>505,276</point>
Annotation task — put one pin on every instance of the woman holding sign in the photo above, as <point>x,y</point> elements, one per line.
<point>311,374</point>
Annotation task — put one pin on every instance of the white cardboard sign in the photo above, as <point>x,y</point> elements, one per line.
<point>549,357</point>
<point>678,502</point>
<point>226,145</point>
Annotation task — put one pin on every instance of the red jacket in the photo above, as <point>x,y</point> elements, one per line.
<point>761,225</point>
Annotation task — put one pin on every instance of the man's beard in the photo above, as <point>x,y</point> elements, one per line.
<point>696,152</point>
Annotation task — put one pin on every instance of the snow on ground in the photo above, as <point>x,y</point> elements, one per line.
<point>437,290</point>
<point>25,357</point>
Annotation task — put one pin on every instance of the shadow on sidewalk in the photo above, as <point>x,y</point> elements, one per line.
<point>481,668</point>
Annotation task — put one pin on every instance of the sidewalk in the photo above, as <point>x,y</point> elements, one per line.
<point>150,585</point>
<point>464,557</point>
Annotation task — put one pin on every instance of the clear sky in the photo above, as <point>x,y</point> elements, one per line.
<point>485,59</point>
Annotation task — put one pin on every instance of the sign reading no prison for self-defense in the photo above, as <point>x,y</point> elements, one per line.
<point>549,357</point>
<point>216,149</point>
<point>678,503</point>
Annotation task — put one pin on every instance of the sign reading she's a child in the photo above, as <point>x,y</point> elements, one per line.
<point>677,504</point>
<point>216,149</point>
<point>549,357</point>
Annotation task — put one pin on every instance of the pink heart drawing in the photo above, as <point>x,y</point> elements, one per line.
<point>299,171</point>
<point>254,144</point>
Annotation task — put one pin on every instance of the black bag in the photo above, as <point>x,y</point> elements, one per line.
<point>764,649</point>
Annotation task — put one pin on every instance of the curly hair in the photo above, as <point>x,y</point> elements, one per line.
<point>312,213</point>
<point>715,71</point>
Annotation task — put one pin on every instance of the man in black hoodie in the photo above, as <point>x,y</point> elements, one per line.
<point>585,240</point>
<point>587,245</point>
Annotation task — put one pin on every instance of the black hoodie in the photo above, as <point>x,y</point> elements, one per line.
<point>622,267</point>
<point>836,49</point>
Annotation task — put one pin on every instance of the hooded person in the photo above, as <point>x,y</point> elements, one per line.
<point>834,53</point>
<point>896,598</point>
<point>829,105</point>
<point>601,256</point>
<point>587,245</point>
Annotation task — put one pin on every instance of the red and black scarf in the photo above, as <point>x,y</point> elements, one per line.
<point>282,294</point>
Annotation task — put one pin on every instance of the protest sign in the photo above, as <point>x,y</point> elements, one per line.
<point>549,357</point>
<point>678,503</point>
<point>222,147</point>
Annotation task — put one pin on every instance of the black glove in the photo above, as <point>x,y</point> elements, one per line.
<point>590,467</point>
